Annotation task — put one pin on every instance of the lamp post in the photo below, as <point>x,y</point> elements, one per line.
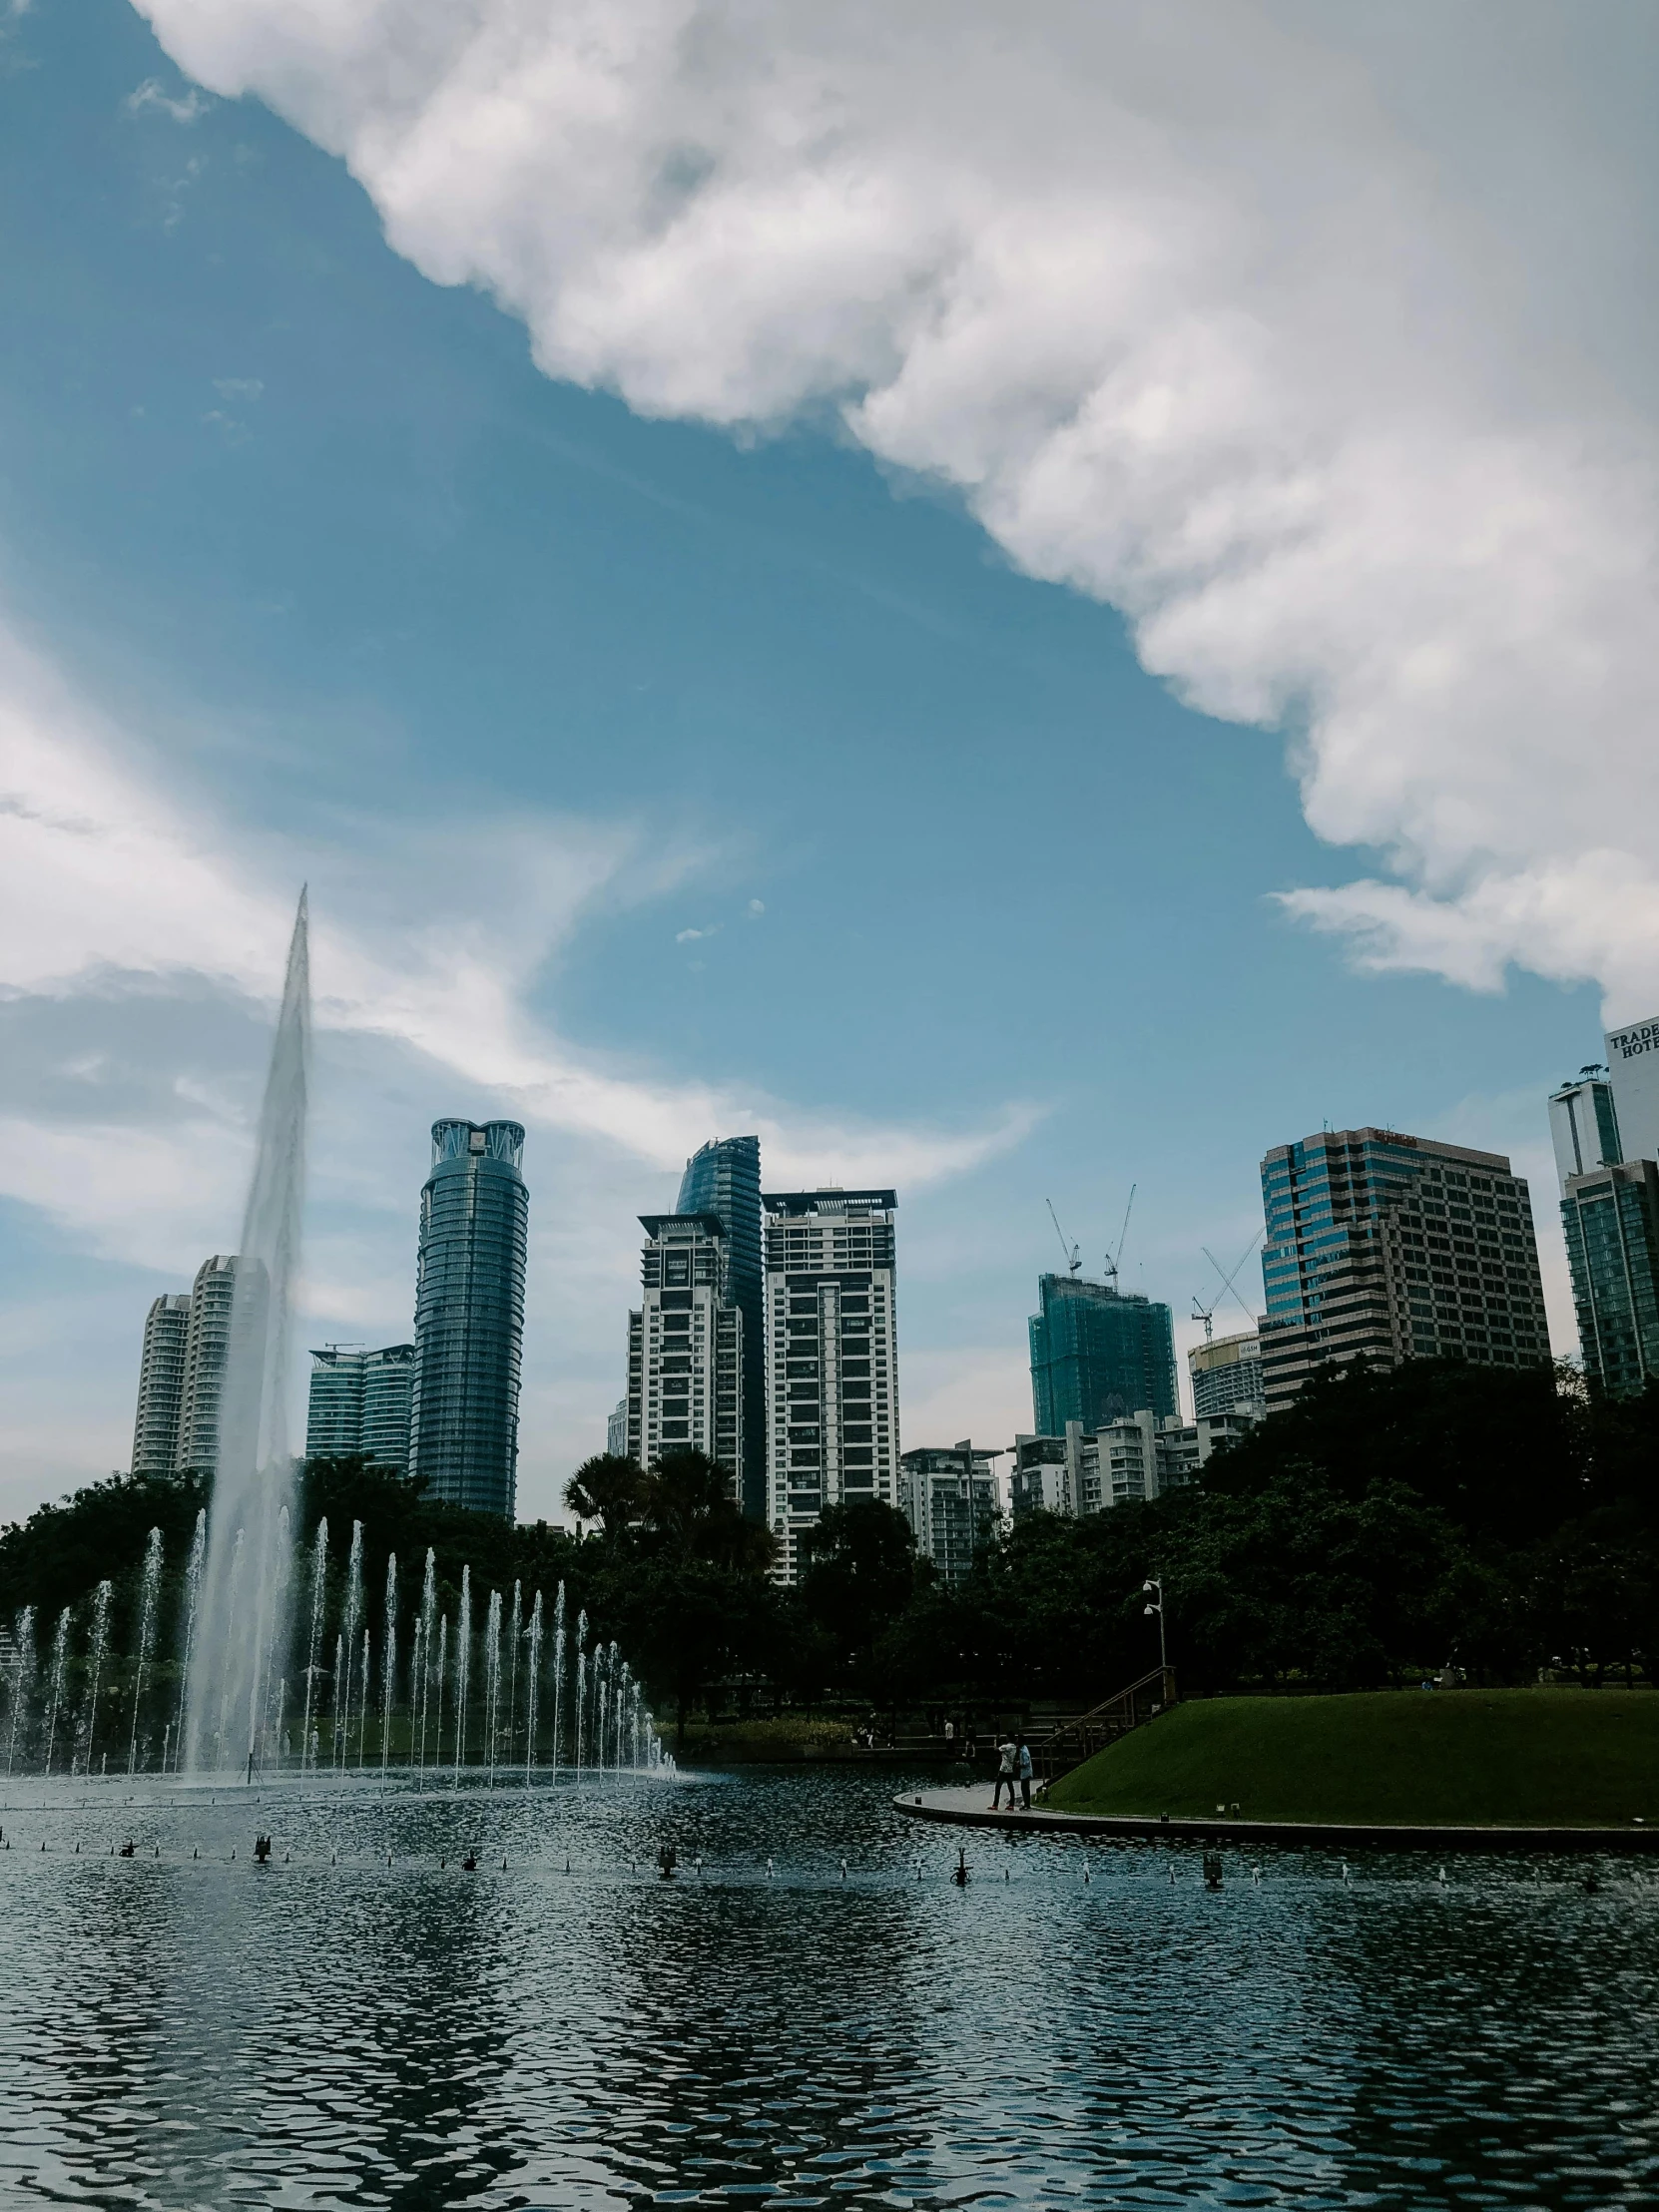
<point>1147,1589</point>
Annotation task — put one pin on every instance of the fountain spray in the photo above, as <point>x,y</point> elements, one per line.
<point>531,1688</point>
<point>443,1667</point>
<point>98,1653</point>
<point>558,1675</point>
<point>23,1676</point>
<point>492,1678</point>
<point>253,1475</point>
<point>193,1599</point>
<point>319,1587</point>
<point>353,1614</point>
<point>581,1699</point>
<point>463,1656</point>
<point>515,1628</point>
<point>388,1663</point>
<point>429,1621</point>
<point>60,1655</point>
<point>147,1635</point>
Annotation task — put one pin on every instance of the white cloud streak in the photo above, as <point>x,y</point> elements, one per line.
<point>1201,306</point>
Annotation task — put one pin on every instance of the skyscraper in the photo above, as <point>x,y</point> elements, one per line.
<point>1388,1248</point>
<point>1633,1069</point>
<point>360,1403</point>
<point>949,1499</point>
<point>469,1315</point>
<point>1227,1376</point>
<point>832,1357</point>
<point>1610,1218</point>
<point>1098,1352</point>
<point>723,1177</point>
<point>207,1347</point>
<point>160,1384</point>
<point>686,1348</point>
<point>1585,1125</point>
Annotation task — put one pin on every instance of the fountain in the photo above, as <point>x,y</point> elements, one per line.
<point>319,1587</point>
<point>23,1677</point>
<point>147,1636</point>
<point>389,1662</point>
<point>243,1630</point>
<point>349,1639</point>
<point>98,1654</point>
<point>463,1653</point>
<point>193,1599</point>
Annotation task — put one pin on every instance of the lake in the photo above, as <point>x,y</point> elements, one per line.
<point>327,2030</point>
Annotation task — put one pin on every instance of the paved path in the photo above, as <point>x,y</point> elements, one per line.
<point>970,1807</point>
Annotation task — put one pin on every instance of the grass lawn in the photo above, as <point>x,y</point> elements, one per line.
<point>1562,1757</point>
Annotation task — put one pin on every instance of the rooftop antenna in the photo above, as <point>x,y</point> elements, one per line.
<point>1112,1258</point>
<point>1074,1257</point>
<point>1228,1280</point>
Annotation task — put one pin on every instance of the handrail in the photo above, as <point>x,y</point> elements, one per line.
<point>1115,1715</point>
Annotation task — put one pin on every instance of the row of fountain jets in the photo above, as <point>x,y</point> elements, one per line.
<point>236,1704</point>
<point>598,1714</point>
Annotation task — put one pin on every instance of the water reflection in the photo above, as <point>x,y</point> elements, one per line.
<point>331,2032</point>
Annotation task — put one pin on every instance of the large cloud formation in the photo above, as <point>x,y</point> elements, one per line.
<point>1290,331</point>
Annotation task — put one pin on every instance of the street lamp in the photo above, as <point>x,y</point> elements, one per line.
<point>1147,1589</point>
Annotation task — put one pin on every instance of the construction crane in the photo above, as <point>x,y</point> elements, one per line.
<point>1227,1279</point>
<point>1205,1314</point>
<point>1112,1258</point>
<point>1074,1257</point>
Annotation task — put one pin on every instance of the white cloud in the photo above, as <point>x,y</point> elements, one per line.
<point>154,95</point>
<point>1311,339</point>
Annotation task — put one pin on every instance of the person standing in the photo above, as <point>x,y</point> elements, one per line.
<point>1007,1765</point>
<point>1022,1752</point>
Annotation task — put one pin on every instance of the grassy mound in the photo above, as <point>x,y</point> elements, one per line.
<point>1473,1758</point>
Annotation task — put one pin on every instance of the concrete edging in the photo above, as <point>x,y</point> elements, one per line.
<point>1224,1830</point>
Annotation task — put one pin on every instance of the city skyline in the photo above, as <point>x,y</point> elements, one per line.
<point>600,720</point>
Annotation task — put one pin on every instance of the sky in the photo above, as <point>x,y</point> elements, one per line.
<point>1029,607</point>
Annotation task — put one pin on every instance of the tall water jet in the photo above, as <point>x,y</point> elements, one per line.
<point>320,1588</point>
<point>581,1684</point>
<point>363,1704</point>
<point>95,1659</point>
<point>515,1628</point>
<point>349,1630</point>
<point>23,1677</point>
<point>558,1675</point>
<point>443,1664</point>
<point>429,1621</point>
<point>60,1659</point>
<point>151,1589</point>
<point>463,1656</point>
<point>493,1680</point>
<point>343,1661</point>
<point>531,1688</point>
<point>192,1607</point>
<point>254,1473</point>
<point>388,1663</point>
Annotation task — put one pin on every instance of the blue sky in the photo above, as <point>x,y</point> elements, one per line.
<point>661,766</point>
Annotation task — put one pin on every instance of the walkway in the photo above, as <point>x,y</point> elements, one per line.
<point>970,1808</point>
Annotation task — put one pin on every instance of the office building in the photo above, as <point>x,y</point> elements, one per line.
<point>1633,1071</point>
<point>360,1404</point>
<point>1585,1125</point>
<point>1225,1376</point>
<point>1141,1456</point>
<point>949,1499</point>
<point>685,1346</point>
<point>1610,1217</point>
<point>161,1389</point>
<point>207,1348</point>
<point>469,1315</point>
<point>1098,1352</point>
<point>1385,1246</point>
<point>832,1357</point>
<point>724,1177</point>
<point>616,1430</point>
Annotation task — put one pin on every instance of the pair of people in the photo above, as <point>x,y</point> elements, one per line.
<point>1013,1764</point>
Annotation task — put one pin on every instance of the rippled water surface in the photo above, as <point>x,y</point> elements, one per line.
<point>332,2029</point>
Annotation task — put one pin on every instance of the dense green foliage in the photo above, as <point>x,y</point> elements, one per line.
<point>1385,1525</point>
<point>1475,1757</point>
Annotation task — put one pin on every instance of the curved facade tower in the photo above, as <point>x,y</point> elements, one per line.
<point>470,1315</point>
<point>723,1177</point>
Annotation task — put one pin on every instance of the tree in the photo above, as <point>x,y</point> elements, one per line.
<point>687,1504</point>
<point>858,1575</point>
<point>608,1488</point>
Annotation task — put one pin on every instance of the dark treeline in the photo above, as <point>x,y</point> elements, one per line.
<point>1386,1523</point>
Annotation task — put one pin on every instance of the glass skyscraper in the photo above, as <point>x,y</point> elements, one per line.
<point>359,1404</point>
<point>1097,1354</point>
<point>1610,1217</point>
<point>723,1179</point>
<point>470,1315</point>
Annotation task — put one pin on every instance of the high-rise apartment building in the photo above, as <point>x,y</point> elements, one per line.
<point>832,1357</point>
<point>723,1177</point>
<point>686,1347</point>
<point>360,1403</point>
<point>1387,1246</point>
<point>1610,1217</point>
<point>949,1499</point>
<point>207,1348</point>
<point>469,1315</point>
<point>616,1430</point>
<point>1225,1376</point>
<point>1098,1352</point>
<point>161,1389</point>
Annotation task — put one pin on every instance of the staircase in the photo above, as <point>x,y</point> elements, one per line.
<point>1074,1741</point>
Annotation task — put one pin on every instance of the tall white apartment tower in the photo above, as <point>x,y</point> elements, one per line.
<point>831,1357</point>
<point>160,1384</point>
<point>685,1346</point>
